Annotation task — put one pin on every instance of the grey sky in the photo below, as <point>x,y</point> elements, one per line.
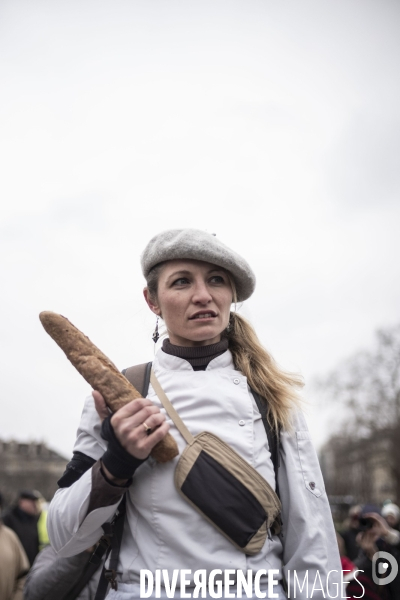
<point>273,124</point>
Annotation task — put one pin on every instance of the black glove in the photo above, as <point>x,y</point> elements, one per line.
<point>116,459</point>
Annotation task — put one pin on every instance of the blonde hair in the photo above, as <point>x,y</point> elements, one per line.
<point>277,387</point>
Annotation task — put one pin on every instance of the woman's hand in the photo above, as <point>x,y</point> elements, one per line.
<point>132,422</point>
<point>101,407</point>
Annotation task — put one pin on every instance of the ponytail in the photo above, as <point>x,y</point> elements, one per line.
<point>263,374</point>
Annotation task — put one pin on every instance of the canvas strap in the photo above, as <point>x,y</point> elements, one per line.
<point>173,415</point>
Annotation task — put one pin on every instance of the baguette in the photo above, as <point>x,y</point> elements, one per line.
<point>100,373</point>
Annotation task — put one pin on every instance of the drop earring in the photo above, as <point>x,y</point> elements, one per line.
<point>156,335</point>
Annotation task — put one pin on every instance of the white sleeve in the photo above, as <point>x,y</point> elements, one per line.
<point>310,550</point>
<point>70,530</point>
<point>88,437</point>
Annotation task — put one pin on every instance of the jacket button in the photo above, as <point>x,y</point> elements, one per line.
<point>241,423</point>
<point>236,381</point>
<point>312,485</point>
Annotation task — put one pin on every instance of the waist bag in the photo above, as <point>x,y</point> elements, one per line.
<point>223,487</point>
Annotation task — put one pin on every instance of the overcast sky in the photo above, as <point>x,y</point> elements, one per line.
<point>275,125</point>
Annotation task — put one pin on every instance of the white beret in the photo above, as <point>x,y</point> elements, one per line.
<point>195,244</point>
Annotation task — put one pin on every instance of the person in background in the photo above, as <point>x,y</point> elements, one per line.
<point>348,567</point>
<point>375,536</point>
<point>350,533</point>
<point>42,523</point>
<point>14,563</point>
<point>23,519</point>
<point>387,534</point>
<point>391,512</point>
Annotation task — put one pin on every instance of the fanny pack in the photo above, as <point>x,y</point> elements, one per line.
<point>223,487</point>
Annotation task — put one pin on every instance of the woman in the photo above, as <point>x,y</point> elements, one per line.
<point>204,368</point>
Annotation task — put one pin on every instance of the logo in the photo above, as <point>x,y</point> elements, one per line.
<point>384,568</point>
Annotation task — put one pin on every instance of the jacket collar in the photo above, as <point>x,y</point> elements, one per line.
<point>167,362</point>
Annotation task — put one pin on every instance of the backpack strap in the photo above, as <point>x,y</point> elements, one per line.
<point>110,541</point>
<point>113,535</point>
<point>272,435</point>
<point>90,569</point>
<point>139,377</point>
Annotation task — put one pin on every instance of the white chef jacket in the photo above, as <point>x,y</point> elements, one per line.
<point>162,530</point>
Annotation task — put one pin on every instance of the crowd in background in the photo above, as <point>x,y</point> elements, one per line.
<point>368,530</point>
<point>30,569</point>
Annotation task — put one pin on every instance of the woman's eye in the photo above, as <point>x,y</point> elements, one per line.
<point>181,281</point>
<point>217,279</point>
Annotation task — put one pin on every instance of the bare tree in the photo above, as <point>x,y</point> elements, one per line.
<point>367,387</point>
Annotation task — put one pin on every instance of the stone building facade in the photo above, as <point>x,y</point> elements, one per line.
<point>29,466</point>
<point>360,469</point>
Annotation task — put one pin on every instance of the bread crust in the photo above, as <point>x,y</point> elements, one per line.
<point>99,372</point>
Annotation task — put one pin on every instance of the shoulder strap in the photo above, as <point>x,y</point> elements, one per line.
<point>175,418</point>
<point>90,569</point>
<point>113,534</point>
<point>272,435</point>
<point>110,541</point>
<point>139,376</point>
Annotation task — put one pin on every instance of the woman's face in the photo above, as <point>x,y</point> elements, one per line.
<point>194,300</point>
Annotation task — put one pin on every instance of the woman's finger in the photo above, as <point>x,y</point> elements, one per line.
<point>147,442</point>
<point>130,433</point>
<point>157,435</point>
<point>122,425</point>
<point>100,404</point>
<point>133,407</point>
<point>151,423</point>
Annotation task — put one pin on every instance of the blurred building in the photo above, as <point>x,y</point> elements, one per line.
<point>29,466</point>
<point>359,471</point>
